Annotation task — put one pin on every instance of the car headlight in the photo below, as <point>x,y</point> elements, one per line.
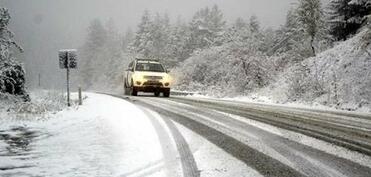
<point>138,78</point>
<point>167,79</point>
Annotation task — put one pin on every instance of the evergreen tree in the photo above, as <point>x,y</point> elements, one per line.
<point>240,24</point>
<point>178,39</point>
<point>93,47</point>
<point>205,27</point>
<point>347,16</point>
<point>142,43</point>
<point>127,39</point>
<point>160,35</point>
<point>97,35</point>
<point>254,24</point>
<point>12,73</point>
<point>216,19</point>
<point>290,41</point>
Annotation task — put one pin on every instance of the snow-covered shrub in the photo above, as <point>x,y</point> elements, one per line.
<point>234,68</point>
<point>43,102</point>
<point>13,80</point>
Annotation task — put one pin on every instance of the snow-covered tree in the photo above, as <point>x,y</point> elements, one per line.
<point>97,35</point>
<point>254,24</point>
<point>156,38</point>
<point>206,25</point>
<point>127,39</point>
<point>310,19</point>
<point>240,24</point>
<point>143,42</point>
<point>160,35</point>
<point>290,43</point>
<point>12,73</point>
<point>178,40</point>
<point>103,58</point>
<point>346,17</point>
<point>91,51</point>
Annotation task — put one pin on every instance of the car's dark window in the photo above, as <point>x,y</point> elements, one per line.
<point>151,67</point>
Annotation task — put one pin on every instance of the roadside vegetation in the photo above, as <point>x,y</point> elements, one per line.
<point>42,103</point>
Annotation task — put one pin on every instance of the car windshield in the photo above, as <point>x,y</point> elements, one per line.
<point>151,67</point>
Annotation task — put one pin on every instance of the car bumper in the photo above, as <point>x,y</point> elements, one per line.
<point>151,86</point>
<point>151,89</point>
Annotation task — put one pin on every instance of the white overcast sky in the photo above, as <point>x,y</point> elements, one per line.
<point>64,22</point>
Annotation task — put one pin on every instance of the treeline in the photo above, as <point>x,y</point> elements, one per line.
<point>210,55</point>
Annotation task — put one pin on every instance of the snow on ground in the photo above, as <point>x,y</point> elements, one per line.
<point>104,137</point>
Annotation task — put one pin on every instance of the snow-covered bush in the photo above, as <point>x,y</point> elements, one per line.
<point>234,68</point>
<point>43,103</point>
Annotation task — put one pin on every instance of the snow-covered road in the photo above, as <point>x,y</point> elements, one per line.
<point>149,136</point>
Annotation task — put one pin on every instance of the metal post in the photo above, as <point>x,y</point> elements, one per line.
<point>68,81</point>
<point>80,96</point>
<point>39,80</point>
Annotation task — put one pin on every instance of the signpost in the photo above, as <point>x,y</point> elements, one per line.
<point>68,60</point>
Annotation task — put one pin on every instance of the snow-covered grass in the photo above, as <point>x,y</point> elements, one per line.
<point>43,102</point>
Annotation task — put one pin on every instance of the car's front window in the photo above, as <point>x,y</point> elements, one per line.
<point>150,67</point>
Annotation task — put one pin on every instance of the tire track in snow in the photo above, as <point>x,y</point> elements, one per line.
<point>264,164</point>
<point>352,139</point>
<point>188,162</point>
<point>165,140</point>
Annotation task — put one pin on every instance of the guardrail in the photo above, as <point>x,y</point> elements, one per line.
<point>182,93</point>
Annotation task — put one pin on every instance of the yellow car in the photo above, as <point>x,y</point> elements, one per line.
<point>146,75</point>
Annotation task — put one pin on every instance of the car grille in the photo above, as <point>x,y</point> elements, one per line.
<point>157,84</point>
<point>153,77</point>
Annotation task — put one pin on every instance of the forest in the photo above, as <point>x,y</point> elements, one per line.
<point>321,54</point>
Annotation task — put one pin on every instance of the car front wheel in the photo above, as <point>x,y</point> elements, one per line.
<point>157,94</point>
<point>167,93</point>
<point>134,91</point>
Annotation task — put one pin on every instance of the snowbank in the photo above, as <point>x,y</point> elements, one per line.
<point>100,138</point>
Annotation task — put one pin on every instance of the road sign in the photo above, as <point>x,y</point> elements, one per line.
<point>68,60</point>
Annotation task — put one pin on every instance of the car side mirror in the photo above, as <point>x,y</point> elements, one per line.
<point>167,71</point>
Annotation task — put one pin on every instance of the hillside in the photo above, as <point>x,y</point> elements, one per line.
<point>338,77</point>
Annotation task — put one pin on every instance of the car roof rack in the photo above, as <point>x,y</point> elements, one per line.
<point>147,59</point>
